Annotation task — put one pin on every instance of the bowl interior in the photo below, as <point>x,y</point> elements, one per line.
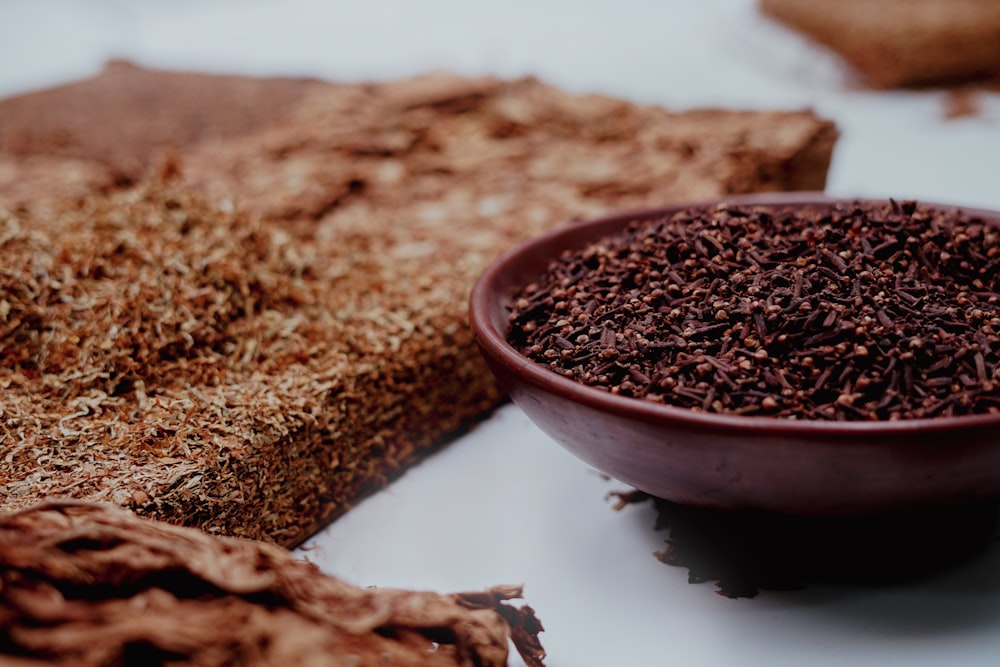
<point>797,466</point>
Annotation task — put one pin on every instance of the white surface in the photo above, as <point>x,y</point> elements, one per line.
<point>504,504</point>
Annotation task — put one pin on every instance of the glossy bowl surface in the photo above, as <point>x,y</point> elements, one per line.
<point>730,462</point>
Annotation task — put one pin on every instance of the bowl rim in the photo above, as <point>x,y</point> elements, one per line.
<point>494,345</point>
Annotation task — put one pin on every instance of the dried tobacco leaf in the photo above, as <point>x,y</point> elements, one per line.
<point>84,584</point>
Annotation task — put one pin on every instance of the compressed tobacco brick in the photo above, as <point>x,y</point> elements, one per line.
<point>84,584</point>
<point>894,43</point>
<point>249,329</point>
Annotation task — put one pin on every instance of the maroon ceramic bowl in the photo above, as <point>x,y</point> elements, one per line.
<point>724,461</point>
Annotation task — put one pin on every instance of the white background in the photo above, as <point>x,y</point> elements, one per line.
<point>504,504</point>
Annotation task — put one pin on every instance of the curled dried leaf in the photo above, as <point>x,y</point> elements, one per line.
<point>84,584</point>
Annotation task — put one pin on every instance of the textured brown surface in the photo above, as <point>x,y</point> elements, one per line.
<point>84,585</point>
<point>895,43</point>
<point>125,116</point>
<point>274,325</point>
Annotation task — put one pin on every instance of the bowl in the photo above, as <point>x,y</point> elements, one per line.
<point>724,461</point>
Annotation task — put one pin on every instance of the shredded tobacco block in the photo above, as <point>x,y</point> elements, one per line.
<point>88,585</point>
<point>247,321</point>
<point>859,312</point>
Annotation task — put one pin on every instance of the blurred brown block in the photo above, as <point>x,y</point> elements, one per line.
<point>898,43</point>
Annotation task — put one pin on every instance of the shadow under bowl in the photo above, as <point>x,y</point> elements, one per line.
<point>802,467</point>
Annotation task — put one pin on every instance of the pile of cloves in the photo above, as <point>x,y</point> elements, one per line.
<point>849,312</point>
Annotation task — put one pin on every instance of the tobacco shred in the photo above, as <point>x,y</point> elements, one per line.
<point>961,103</point>
<point>91,585</point>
